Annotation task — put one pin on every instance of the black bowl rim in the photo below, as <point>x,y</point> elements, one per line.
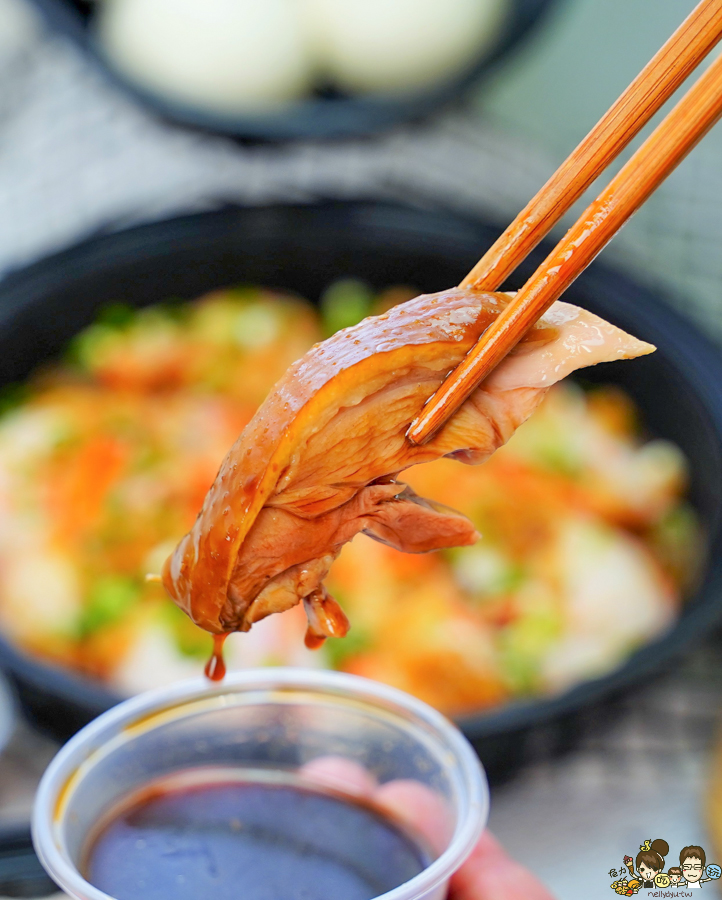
<point>311,118</point>
<point>693,353</point>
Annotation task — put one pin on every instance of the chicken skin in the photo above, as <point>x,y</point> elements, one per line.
<point>319,461</point>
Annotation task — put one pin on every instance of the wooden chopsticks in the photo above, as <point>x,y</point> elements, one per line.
<point>654,85</point>
<point>685,126</point>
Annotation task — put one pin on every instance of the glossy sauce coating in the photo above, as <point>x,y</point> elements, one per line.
<point>318,462</point>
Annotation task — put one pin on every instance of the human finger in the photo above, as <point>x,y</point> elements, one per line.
<point>340,773</point>
<point>491,874</point>
<point>419,807</point>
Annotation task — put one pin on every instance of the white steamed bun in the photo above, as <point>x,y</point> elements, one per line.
<point>230,56</point>
<point>398,45</point>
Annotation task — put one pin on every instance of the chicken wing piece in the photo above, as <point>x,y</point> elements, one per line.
<point>318,462</point>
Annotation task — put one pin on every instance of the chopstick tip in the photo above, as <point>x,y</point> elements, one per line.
<point>418,432</point>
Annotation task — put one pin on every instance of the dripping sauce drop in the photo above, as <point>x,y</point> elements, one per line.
<point>215,668</point>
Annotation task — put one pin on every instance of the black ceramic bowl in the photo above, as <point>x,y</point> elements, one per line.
<point>329,116</point>
<point>303,248</point>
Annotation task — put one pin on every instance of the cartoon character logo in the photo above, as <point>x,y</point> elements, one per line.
<point>646,871</point>
<point>622,885</point>
<point>693,862</point>
<point>650,861</point>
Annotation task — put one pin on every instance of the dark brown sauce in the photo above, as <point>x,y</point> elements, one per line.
<point>255,840</point>
<point>312,640</point>
<point>215,668</point>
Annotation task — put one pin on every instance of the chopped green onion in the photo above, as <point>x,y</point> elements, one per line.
<point>109,600</point>
<point>189,639</point>
<point>339,650</point>
<point>257,325</point>
<point>116,315</point>
<point>13,395</point>
<point>485,571</point>
<point>522,647</point>
<point>345,303</point>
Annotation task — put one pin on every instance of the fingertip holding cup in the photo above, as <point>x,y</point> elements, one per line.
<point>412,803</point>
<point>489,871</point>
<point>421,808</point>
<point>340,773</point>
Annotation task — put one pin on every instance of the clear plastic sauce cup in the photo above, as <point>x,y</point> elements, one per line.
<point>271,721</point>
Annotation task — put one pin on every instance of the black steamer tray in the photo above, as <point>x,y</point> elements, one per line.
<point>303,248</point>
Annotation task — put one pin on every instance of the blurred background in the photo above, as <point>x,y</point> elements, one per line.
<point>113,116</point>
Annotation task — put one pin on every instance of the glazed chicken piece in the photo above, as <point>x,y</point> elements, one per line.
<point>319,461</point>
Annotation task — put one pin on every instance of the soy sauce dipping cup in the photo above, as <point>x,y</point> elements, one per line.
<point>269,720</point>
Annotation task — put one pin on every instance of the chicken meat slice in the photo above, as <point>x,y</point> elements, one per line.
<point>318,462</point>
